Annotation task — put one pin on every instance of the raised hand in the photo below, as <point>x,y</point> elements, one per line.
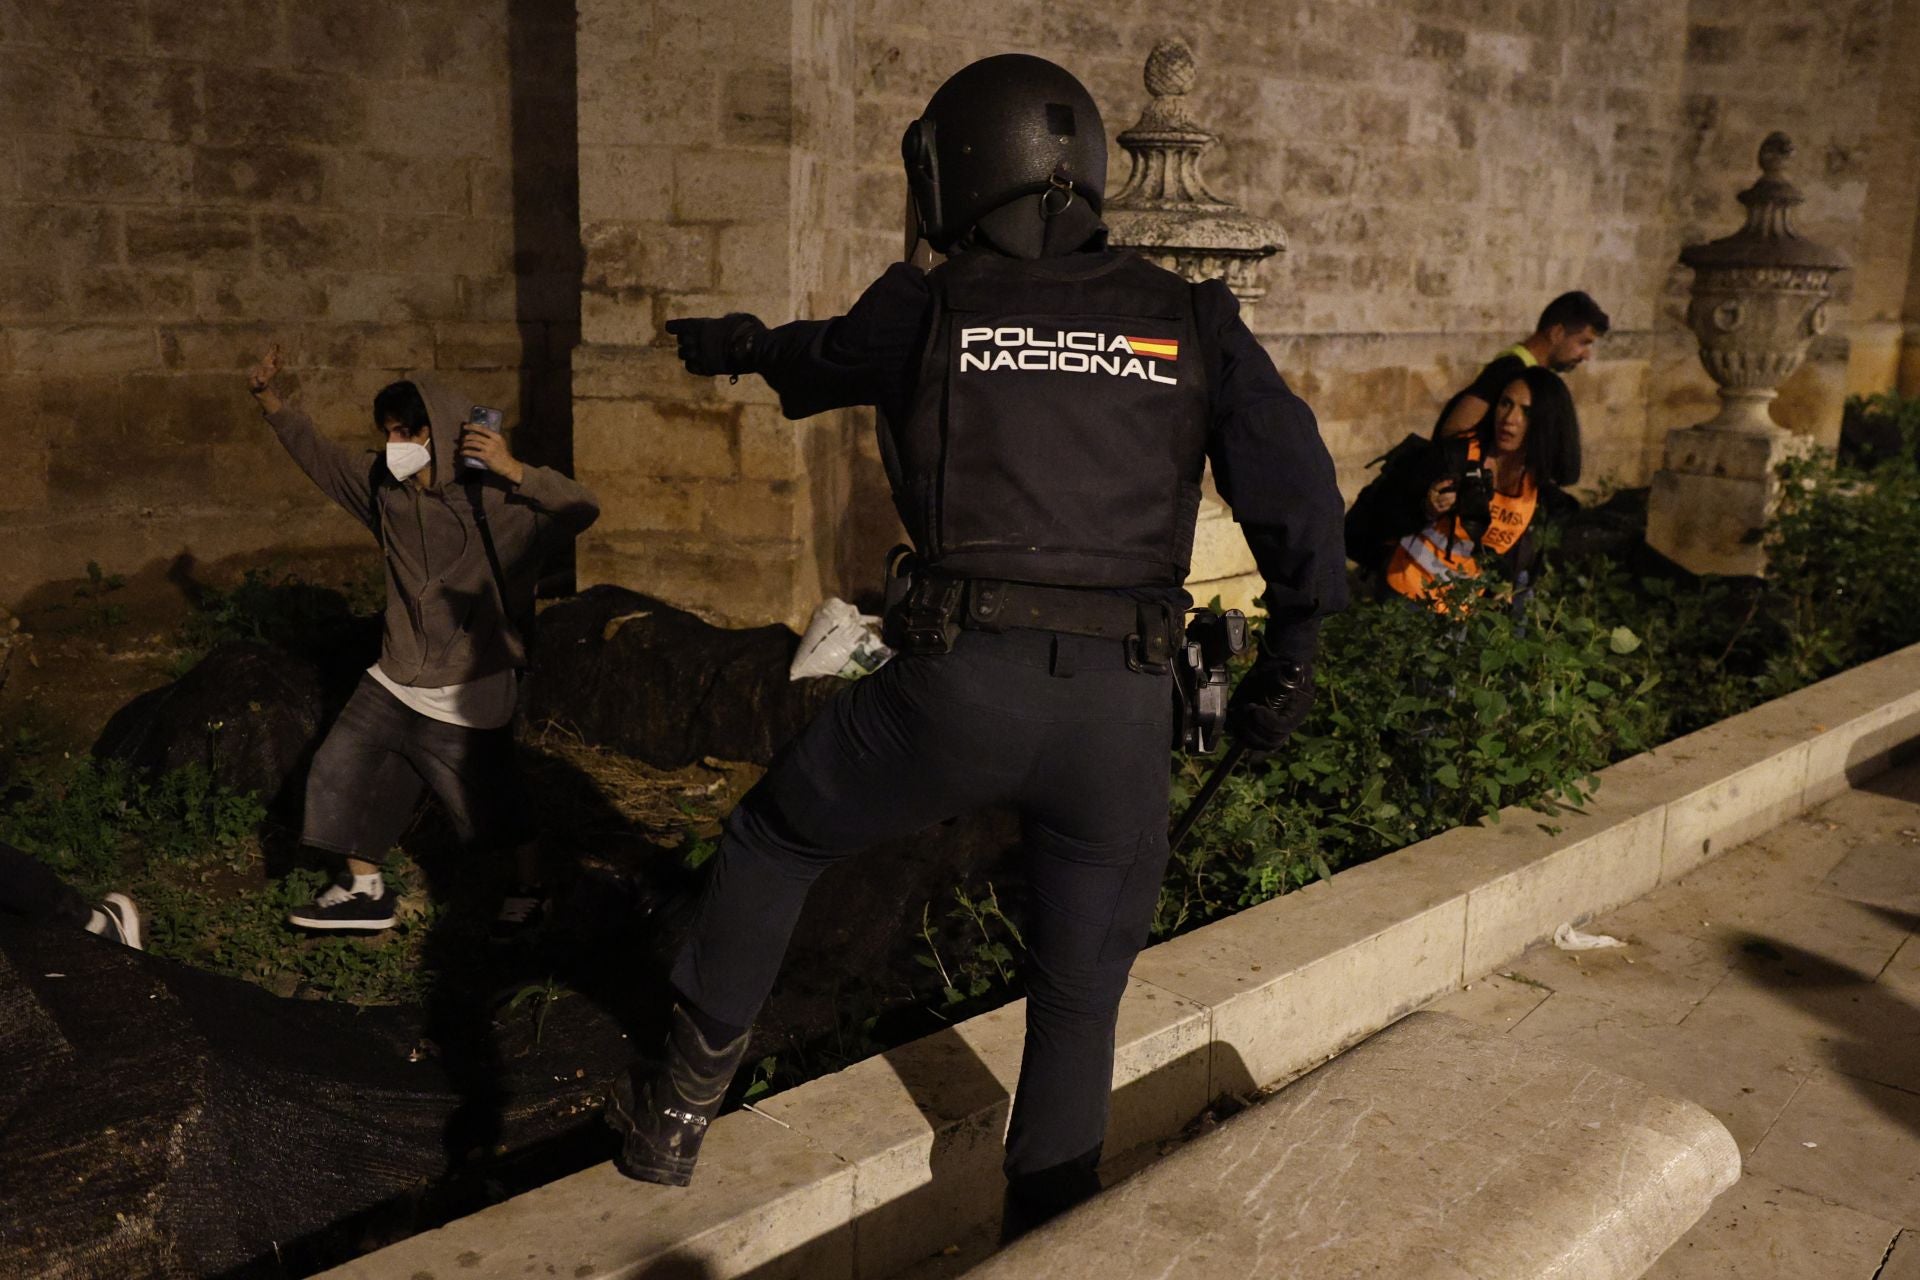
<point>490,448</point>
<point>260,379</point>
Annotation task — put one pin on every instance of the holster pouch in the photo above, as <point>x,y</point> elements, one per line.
<point>1156,637</point>
<point>895,585</point>
<point>1202,684</point>
<point>930,616</point>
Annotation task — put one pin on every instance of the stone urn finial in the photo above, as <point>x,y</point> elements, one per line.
<point>1165,210</point>
<point>1759,296</point>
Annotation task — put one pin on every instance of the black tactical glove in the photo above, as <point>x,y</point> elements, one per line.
<point>1272,700</point>
<point>710,347</point>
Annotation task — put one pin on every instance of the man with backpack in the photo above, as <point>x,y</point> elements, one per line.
<point>464,528</point>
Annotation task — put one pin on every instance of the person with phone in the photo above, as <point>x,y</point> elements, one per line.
<point>464,528</point>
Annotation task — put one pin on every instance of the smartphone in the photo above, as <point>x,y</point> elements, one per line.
<point>483,419</point>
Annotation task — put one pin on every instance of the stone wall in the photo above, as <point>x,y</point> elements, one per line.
<point>715,177</point>
<point>379,187</point>
<point>383,186</point>
<point>1443,167</point>
<point>1838,78</point>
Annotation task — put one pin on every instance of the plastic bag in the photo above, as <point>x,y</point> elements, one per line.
<point>1568,938</point>
<point>840,641</point>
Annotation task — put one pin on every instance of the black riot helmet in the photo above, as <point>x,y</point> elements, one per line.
<point>1007,145</point>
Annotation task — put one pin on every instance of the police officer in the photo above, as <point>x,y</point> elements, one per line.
<point>1047,406</point>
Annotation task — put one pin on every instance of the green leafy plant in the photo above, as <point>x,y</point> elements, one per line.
<point>187,848</point>
<point>1469,711</point>
<point>274,608</point>
<point>984,941</point>
<point>1424,721</point>
<point>97,818</point>
<point>1428,721</point>
<point>540,997</point>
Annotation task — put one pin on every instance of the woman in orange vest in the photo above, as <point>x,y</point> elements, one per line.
<point>1483,494</point>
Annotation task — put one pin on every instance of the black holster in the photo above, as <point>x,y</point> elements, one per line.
<point>930,614</point>
<point>1202,685</point>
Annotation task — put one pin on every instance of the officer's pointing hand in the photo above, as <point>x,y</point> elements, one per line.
<point>710,347</point>
<point>1271,702</point>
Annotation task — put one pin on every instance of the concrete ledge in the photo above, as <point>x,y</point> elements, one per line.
<point>860,1173</point>
<point>768,1202</point>
<point>1435,1150</point>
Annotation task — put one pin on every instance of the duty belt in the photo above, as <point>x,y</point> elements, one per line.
<point>938,608</point>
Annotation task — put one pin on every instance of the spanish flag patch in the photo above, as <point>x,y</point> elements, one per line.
<point>1157,348</point>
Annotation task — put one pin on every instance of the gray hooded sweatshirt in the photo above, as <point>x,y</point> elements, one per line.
<point>445,621</point>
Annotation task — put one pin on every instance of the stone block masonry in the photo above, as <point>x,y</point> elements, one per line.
<point>526,190</point>
<point>1442,171</point>
<point>716,176</point>
<point>377,187</point>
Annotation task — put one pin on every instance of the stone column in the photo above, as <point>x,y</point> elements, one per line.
<point>1759,297</point>
<point>714,177</point>
<point>1167,213</point>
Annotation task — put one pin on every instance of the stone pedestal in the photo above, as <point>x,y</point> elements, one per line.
<point>1222,564</point>
<point>1713,494</point>
<point>1167,214</point>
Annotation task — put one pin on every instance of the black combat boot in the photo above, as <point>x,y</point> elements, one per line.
<point>1037,1198</point>
<point>662,1112</point>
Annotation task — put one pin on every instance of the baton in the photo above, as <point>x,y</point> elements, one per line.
<point>1204,796</point>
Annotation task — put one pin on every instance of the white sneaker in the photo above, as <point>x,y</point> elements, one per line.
<point>122,921</point>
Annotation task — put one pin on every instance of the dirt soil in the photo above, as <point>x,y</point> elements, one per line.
<point>76,650</point>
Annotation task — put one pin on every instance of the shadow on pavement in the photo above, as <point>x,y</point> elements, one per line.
<point>1871,1033</point>
<point>960,1185</point>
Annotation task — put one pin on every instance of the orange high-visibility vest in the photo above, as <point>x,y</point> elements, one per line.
<point>1442,551</point>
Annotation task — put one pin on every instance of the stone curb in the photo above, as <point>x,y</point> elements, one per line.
<point>1434,1150</point>
<point>864,1172</point>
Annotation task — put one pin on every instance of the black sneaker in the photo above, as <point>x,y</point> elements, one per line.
<point>339,907</point>
<point>119,921</point>
<point>521,914</point>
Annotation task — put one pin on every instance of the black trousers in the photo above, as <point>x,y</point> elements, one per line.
<point>1054,725</point>
<point>29,887</point>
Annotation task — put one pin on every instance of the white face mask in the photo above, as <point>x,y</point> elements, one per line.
<point>406,457</point>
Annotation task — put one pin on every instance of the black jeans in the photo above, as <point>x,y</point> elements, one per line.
<point>378,758</point>
<point>1056,726</point>
<point>29,888</point>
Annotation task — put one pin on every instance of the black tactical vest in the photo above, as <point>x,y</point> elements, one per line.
<point>1059,426</point>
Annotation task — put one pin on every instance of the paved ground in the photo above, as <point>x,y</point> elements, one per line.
<point>1779,987</point>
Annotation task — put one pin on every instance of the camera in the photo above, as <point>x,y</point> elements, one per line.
<point>1473,498</point>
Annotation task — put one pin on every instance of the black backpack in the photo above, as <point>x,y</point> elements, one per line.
<point>1390,507</point>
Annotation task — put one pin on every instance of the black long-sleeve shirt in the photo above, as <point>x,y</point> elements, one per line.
<point>1269,462</point>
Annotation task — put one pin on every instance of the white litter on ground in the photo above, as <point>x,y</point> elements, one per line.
<point>1568,938</point>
